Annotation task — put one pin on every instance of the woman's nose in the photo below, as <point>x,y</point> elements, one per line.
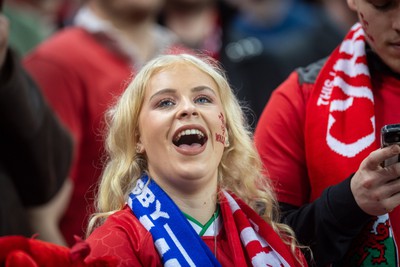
<point>187,109</point>
<point>396,19</point>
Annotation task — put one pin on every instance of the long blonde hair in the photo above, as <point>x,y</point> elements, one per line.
<point>240,170</point>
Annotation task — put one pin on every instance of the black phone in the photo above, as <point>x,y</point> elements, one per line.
<point>390,135</point>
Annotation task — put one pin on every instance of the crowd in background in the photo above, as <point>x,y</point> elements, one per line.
<point>258,42</point>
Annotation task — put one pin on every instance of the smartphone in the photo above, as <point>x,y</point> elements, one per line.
<point>390,135</point>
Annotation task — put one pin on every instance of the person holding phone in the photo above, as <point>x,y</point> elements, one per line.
<point>319,139</point>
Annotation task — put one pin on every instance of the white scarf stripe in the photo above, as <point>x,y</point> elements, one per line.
<point>179,246</point>
<point>248,235</point>
<point>356,91</point>
<point>232,203</point>
<point>353,69</point>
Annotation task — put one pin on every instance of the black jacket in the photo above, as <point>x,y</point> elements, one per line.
<point>35,149</point>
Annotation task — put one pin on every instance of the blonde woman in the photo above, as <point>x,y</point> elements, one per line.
<point>183,184</point>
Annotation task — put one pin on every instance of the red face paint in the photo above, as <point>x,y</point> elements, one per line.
<point>365,25</point>
<point>363,21</point>
<point>221,137</point>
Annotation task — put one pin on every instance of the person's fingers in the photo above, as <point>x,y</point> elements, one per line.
<point>375,159</point>
<point>376,189</point>
<point>391,190</point>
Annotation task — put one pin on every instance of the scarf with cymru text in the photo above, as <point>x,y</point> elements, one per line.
<point>252,240</point>
<point>340,133</point>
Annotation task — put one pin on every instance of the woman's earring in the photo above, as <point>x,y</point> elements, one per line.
<point>227,144</point>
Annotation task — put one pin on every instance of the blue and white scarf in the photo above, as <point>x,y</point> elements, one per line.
<point>171,231</point>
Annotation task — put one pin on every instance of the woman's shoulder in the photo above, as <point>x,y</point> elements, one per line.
<point>123,236</point>
<point>122,221</point>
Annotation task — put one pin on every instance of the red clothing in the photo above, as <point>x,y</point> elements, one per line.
<point>81,78</point>
<point>123,236</point>
<point>279,135</point>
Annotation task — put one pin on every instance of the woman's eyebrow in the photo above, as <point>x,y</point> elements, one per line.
<point>203,88</point>
<point>194,89</point>
<point>163,91</point>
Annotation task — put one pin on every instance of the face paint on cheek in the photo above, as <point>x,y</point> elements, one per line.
<point>364,21</point>
<point>221,137</point>
<point>365,25</point>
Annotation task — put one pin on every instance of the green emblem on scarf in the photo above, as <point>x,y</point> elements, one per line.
<point>374,247</point>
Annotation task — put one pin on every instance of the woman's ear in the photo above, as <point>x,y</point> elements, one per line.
<point>139,147</point>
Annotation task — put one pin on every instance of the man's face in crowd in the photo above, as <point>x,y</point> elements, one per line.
<point>381,22</point>
<point>131,9</point>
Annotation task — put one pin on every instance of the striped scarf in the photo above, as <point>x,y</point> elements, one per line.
<point>246,228</point>
<point>340,133</point>
<point>179,245</point>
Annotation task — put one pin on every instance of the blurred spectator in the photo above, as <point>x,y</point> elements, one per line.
<point>196,23</point>
<point>67,12</point>
<point>339,13</point>
<point>36,153</point>
<point>82,69</point>
<point>31,22</point>
<point>262,41</point>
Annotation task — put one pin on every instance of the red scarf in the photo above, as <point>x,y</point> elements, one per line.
<point>261,243</point>
<point>340,125</point>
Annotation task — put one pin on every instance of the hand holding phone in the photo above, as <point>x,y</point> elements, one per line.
<point>390,135</point>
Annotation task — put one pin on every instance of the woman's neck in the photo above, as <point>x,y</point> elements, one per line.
<point>198,201</point>
<point>200,208</point>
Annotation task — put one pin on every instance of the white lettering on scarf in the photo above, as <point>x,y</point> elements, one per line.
<point>158,213</point>
<point>326,92</point>
<point>146,197</point>
<point>261,258</point>
<point>162,245</point>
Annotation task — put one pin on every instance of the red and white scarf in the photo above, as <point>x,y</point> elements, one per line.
<point>263,246</point>
<point>340,130</point>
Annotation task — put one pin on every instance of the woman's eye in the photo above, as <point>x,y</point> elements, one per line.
<point>203,99</point>
<point>165,103</point>
<point>381,5</point>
